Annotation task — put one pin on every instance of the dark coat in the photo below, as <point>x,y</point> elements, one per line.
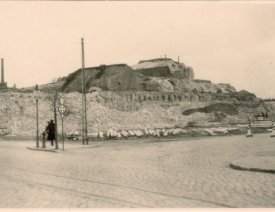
<point>50,129</point>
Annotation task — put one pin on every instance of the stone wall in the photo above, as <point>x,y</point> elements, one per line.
<point>115,110</point>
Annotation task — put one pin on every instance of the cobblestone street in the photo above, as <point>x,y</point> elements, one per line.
<point>171,173</point>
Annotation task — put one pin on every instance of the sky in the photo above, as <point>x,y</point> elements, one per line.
<point>225,42</point>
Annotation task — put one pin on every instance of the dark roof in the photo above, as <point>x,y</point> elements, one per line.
<point>154,60</point>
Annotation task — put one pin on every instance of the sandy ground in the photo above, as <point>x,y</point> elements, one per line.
<point>144,174</point>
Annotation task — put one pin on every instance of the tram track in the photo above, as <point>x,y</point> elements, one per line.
<point>96,183</point>
<point>88,195</point>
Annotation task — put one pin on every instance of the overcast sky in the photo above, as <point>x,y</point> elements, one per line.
<point>225,42</point>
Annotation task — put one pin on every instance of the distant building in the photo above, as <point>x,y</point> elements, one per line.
<point>3,84</point>
<point>164,67</point>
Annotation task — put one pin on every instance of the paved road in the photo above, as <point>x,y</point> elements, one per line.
<point>178,173</point>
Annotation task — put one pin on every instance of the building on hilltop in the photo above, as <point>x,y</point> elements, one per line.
<point>3,84</point>
<point>164,67</point>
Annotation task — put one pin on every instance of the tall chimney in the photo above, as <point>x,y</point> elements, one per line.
<point>2,71</point>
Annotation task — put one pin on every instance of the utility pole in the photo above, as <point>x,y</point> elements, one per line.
<point>2,71</point>
<point>84,107</point>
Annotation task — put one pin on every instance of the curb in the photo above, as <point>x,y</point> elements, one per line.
<point>44,150</point>
<point>236,167</point>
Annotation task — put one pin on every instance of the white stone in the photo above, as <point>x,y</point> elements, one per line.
<point>146,131</point>
<point>101,134</point>
<point>118,135</point>
<point>124,133</point>
<point>220,130</point>
<point>138,133</point>
<point>157,133</point>
<point>110,133</point>
<point>169,131</point>
<point>131,133</point>
<point>178,131</point>
<point>114,133</point>
<point>152,132</point>
<point>77,133</point>
<point>210,131</point>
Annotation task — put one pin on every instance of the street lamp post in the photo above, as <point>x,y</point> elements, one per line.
<point>36,92</point>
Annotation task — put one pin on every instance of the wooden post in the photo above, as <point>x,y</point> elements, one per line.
<point>84,104</point>
<point>2,71</point>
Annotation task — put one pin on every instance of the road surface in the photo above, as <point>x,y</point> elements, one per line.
<point>144,174</point>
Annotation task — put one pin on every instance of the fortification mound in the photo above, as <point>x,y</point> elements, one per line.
<point>164,67</point>
<point>119,77</point>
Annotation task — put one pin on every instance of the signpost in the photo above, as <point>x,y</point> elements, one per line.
<point>62,109</point>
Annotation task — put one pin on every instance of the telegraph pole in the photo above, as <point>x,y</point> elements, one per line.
<point>84,107</point>
<point>2,71</point>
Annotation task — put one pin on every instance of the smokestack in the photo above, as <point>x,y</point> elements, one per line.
<point>2,71</point>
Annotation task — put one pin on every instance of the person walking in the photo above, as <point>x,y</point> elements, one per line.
<point>50,129</point>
